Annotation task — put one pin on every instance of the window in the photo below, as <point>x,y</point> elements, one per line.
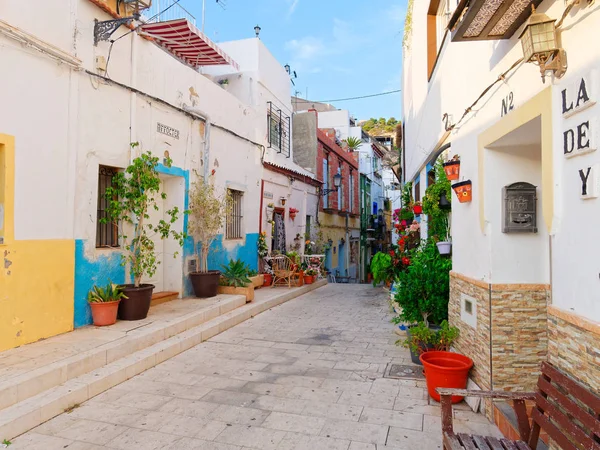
<point>325,182</point>
<point>107,234</point>
<point>340,191</point>
<point>279,125</point>
<point>274,132</point>
<point>351,192</point>
<point>233,223</point>
<point>307,233</point>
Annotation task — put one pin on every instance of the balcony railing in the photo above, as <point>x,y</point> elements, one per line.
<point>164,10</point>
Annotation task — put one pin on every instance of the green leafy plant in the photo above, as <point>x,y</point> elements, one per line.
<point>130,198</point>
<point>381,268</point>
<point>252,273</point>
<point>311,272</point>
<point>6,442</point>
<point>294,256</point>
<point>353,143</point>
<point>423,289</point>
<point>235,274</point>
<point>110,293</point>
<point>422,338</point>
<point>438,218</point>
<point>207,211</point>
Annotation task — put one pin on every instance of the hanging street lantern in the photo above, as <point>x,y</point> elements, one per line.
<point>540,45</point>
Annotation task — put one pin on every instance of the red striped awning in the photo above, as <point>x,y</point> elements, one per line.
<point>186,42</point>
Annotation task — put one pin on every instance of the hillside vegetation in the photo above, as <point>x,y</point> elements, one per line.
<point>380,127</point>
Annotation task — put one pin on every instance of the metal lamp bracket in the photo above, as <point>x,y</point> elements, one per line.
<point>105,29</point>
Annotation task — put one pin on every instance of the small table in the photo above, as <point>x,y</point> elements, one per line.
<point>317,266</point>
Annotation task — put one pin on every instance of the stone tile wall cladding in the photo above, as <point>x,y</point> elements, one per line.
<point>508,349</point>
<point>575,351</point>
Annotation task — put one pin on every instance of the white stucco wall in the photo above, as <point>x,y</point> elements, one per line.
<point>489,255</point>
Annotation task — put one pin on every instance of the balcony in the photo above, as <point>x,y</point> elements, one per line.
<point>478,20</point>
<point>165,10</point>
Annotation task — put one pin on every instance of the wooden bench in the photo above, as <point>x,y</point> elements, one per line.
<point>566,410</point>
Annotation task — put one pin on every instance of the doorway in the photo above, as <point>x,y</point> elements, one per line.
<point>279,239</point>
<point>169,270</point>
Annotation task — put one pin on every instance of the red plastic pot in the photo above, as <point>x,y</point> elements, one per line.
<point>268,279</point>
<point>417,209</point>
<point>445,370</point>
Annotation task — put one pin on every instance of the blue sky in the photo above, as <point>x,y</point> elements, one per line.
<point>339,48</point>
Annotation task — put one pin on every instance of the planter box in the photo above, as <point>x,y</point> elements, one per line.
<point>258,281</point>
<point>248,291</point>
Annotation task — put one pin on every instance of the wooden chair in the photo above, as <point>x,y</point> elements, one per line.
<point>283,269</point>
<point>567,411</point>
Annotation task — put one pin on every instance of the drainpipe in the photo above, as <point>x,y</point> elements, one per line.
<point>133,96</point>
<point>202,116</point>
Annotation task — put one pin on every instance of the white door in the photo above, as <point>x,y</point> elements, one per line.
<point>159,245</point>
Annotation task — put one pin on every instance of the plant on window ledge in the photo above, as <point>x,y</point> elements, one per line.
<point>133,194</point>
<point>207,213</point>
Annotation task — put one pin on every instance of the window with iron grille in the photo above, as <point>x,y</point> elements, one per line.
<point>107,234</point>
<point>235,215</point>
<point>279,130</point>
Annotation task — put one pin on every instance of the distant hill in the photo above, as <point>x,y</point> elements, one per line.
<point>379,127</point>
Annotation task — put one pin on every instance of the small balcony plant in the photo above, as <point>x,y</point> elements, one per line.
<point>133,194</point>
<point>207,212</point>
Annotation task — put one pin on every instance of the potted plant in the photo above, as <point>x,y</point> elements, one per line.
<point>421,338</point>
<point>417,208</point>
<point>104,303</point>
<point>270,211</point>
<point>310,275</point>
<point>268,276</point>
<point>224,83</point>
<point>423,288</point>
<point>234,280</point>
<point>445,246</point>
<point>130,198</point>
<point>452,168</point>
<point>293,212</point>
<point>207,211</point>
<point>381,268</point>
<point>463,191</point>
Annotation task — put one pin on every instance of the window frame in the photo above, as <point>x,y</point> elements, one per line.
<point>234,230</point>
<point>107,234</point>
<point>274,137</point>
<point>326,181</point>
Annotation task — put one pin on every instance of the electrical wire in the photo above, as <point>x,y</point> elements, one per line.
<point>353,98</point>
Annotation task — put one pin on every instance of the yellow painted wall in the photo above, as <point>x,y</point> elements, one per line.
<point>333,226</point>
<point>36,277</point>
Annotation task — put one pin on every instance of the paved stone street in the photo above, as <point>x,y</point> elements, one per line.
<point>305,375</point>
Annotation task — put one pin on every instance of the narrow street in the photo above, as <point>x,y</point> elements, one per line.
<point>305,375</point>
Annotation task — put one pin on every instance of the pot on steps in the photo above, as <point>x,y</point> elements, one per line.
<point>205,284</point>
<point>137,303</point>
<point>104,313</point>
<point>444,247</point>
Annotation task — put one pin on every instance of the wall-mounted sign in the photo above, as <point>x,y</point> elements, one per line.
<point>589,182</point>
<point>166,130</point>
<point>508,104</point>
<point>579,95</point>
<point>519,213</point>
<point>267,194</point>
<point>580,139</point>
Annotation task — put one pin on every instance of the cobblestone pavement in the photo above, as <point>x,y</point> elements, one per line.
<point>305,375</point>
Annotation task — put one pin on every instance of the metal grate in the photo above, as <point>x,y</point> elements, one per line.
<point>279,130</point>
<point>107,234</point>
<point>398,371</point>
<point>234,215</point>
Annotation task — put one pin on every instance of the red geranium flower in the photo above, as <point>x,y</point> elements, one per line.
<point>405,261</point>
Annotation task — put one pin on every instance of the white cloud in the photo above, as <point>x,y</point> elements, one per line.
<point>305,49</point>
<point>293,4</point>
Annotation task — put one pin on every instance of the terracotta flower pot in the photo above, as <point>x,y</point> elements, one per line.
<point>268,279</point>
<point>445,370</point>
<point>205,284</point>
<point>137,303</point>
<point>309,279</point>
<point>463,191</point>
<point>300,278</point>
<point>105,313</point>
<point>452,169</point>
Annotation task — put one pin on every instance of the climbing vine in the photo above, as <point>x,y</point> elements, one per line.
<point>408,23</point>
<point>438,217</point>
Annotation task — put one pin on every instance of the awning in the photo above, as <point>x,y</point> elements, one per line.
<point>186,42</point>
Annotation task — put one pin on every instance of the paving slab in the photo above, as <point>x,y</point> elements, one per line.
<point>269,384</point>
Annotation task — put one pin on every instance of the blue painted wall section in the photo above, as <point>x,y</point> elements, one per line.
<point>88,273</point>
<point>246,250</point>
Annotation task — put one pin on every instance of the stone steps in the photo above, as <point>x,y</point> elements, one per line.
<point>29,384</point>
<point>88,377</point>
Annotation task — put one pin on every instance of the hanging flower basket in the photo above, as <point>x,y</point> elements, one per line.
<point>463,191</point>
<point>293,212</point>
<point>452,169</point>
